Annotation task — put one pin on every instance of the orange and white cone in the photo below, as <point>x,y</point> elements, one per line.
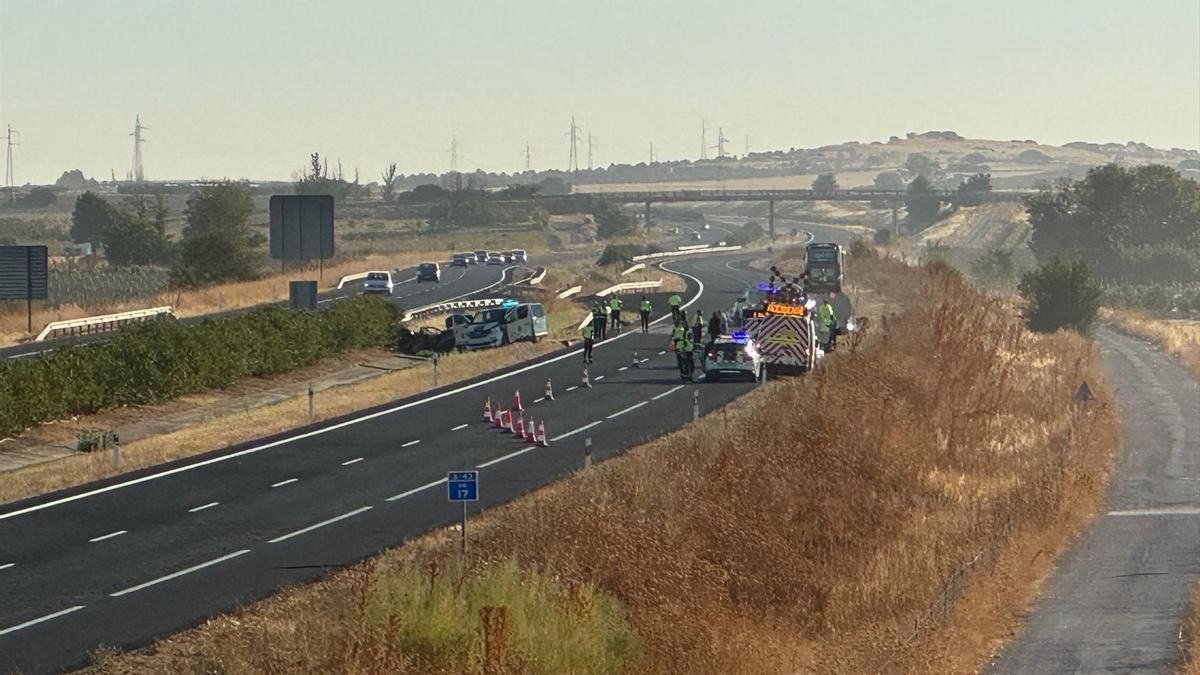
<point>541,434</point>
<point>516,406</point>
<point>519,427</point>
<point>498,418</point>
<point>549,390</point>
<point>487,410</point>
<point>530,432</point>
<point>508,417</point>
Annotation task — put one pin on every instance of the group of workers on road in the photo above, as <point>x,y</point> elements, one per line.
<point>607,314</point>
<point>686,341</point>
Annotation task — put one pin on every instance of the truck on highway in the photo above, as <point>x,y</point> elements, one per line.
<point>824,267</point>
<point>778,322</point>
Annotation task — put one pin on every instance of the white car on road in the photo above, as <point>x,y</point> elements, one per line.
<point>379,282</point>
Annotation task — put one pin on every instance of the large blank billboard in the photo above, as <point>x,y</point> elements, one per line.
<point>23,273</point>
<point>301,227</point>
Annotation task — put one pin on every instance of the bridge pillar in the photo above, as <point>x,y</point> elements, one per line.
<point>895,218</point>
<point>771,218</point>
<point>646,223</point>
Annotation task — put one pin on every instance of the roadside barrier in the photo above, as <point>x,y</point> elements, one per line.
<point>568,292</point>
<point>639,266</point>
<point>100,324</point>
<point>440,307</point>
<point>629,286</point>
<point>671,254</point>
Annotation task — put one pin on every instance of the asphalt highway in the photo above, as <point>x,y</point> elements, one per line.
<point>125,561</point>
<point>456,282</point>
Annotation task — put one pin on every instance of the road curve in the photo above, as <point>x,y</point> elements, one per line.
<point>1116,598</point>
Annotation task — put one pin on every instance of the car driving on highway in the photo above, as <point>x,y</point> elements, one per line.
<point>518,255</point>
<point>379,282</point>
<point>495,258</point>
<point>458,260</point>
<point>429,271</point>
<point>732,356</point>
<point>481,257</point>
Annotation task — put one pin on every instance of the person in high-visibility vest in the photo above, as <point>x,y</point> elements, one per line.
<point>644,310</point>
<point>598,320</point>
<point>614,306</point>
<point>588,342</point>
<point>683,354</point>
<point>675,301</point>
<point>829,321</point>
<point>677,334</point>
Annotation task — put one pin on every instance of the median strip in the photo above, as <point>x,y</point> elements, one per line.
<point>176,575</point>
<point>323,523</point>
<point>110,535</point>
<point>34,622</point>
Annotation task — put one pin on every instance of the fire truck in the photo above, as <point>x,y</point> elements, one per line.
<point>778,320</point>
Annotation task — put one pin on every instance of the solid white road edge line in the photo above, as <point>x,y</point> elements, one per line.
<point>323,523</point>
<point>180,573</point>
<point>1164,511</point>
<point>635,406</point>
<point>201,508</point>
<point>34,622</point>
<point>284,482</point>
<point>110,535</point>
<point>510,455</point>
<point>340,425</point>
<point>414,491</point>
<point>668,392</point>
<point>411,443</point>
<point>461,426</point>
<point>348,462</point>
<point>572,433</point>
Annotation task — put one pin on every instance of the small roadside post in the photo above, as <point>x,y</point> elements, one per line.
<point>463,486</point>
<point>696,404</point>
<point>587,453</point>
<point>116,453</point>
<point>310,402</point>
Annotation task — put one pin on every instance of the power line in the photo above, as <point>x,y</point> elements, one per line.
<point>139,172</point>
<point>651,152</point>
<point>454,154</point>
<point>589,152</point>
<point>721,142</point>
<point>703,139</point>
<point>527,163</point>
<point>573,163</point>
<point>10,176</point>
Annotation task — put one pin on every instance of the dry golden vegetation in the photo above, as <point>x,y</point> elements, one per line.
<point>1180,338</point>
<point>835,523</point>
<point>1191,665</point>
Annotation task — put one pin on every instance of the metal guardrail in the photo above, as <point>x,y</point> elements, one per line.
<point>670,254</point>
<point>440,307</point>
<point>538,277</point>
<point>100,324</point>
<point>352,277</point>
<point>634,268</point>
<point>568,292</point>
<point>631,286</point>
<point>692,247</point>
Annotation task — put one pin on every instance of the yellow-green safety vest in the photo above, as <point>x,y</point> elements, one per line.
<point>644,305</point>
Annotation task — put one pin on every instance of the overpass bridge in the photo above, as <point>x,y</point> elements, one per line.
<point>893,198</point>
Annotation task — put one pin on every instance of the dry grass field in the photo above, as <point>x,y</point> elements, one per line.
<point>843,522</point>
<point>1192,633</point>
<point>1179,338</point>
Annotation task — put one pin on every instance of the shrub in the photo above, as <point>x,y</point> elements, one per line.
<point>883,236</point>
<point>1060,294</point>
<point>162,359</point>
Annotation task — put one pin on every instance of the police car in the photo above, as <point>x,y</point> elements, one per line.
<point>732,356</point>
<point>510,322</point>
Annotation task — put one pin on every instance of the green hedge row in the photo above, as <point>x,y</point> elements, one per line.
<point>163,359</point>
<point>1169,300</point>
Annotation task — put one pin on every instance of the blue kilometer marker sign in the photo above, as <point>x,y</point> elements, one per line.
<point>462,486</point>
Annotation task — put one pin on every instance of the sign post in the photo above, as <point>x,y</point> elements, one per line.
<point>24,275</point>
<point>463,486</point>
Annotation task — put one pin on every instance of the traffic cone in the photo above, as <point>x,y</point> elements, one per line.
<point>497,417</point>
<point>487,410</point>
<point>584,381</point>
<point>519,427</point>
<point>508,415</point>
<point>549,390</point>
<point>530,432</point>
<point>541,434</point>
<point>517,401</point>
<point>636,362</point>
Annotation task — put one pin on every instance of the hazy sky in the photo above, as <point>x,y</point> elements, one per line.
<point>246,88</point>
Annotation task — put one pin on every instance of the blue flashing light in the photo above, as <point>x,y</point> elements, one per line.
<point>740,336</point>
<point>509,303</point>
<point>764,286</point>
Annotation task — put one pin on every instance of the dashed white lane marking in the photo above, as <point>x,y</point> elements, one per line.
<point>6,566</point>
<point>201,508</point>
<point>668,392</point>
<point>323,523</point>
<point>1166,511</point>
<point>34,622</point>
<point>539,400</point>
<point>572,433</point>
<point>461,426</point>
<point>505,457</point>
<point>622,368</point>
<point>645,360</point>
<point>284,482</point>
<point>599,377</point>
<point>348,462</point>
<point>572,388</point>
<point>662,352</point>
<point>176,575</point>
<point>411,443</point>
<point>110,535</point>
<point>632,407</point>
<point>414,491</point>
